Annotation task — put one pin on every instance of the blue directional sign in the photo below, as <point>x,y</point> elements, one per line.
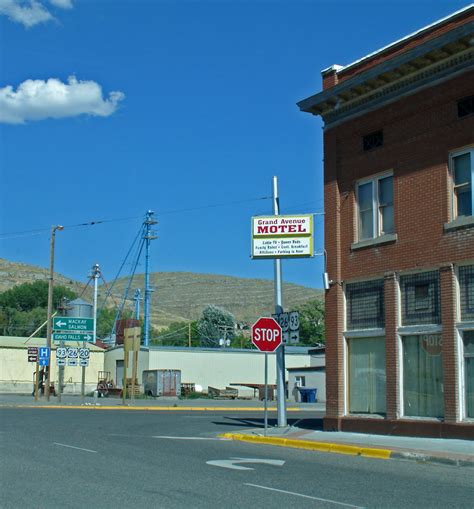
<point>43,361</point>
<point>44,352</point>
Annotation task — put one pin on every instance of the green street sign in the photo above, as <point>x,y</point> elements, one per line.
<point>72,336</point>
<point>72,324</point>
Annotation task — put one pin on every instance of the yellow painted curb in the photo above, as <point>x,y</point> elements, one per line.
<point>310,445</point>
<point>151,408</point>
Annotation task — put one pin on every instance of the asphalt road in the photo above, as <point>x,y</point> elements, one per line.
<point>100,459</point>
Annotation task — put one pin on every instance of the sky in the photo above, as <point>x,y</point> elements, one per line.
<point>185,107</point>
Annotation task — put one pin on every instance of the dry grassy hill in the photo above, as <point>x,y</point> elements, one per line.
<point>179,296</point>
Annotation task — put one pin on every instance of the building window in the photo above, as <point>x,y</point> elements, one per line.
<point>423,376</point>
<point>367,379</point>
<point>466,287</point>
<point>462,171</point>
<point>300,381</point>
<point>375,205</point>
<point>468,340</point>
<point>365,305</point>
<point>420,298</point>
<point>466,106</point>
<point>372,140</point>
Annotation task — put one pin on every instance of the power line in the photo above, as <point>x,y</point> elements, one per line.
<point>39,231</point>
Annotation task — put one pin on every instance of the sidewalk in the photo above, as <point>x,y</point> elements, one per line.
<point>162,403</point>
<point>430,450</point>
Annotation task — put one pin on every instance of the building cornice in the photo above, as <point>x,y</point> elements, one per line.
<point>430,62</point>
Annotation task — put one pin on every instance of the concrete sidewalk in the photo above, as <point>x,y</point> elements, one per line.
<point>73,401</point>
<point>430,450</point>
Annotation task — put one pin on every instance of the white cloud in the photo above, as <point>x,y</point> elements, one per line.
<point>31,12</point>
<point>38,99</point>
<point>62,4</point>
<point>28,13</point>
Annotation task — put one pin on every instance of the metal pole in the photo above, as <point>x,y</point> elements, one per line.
<point>148,238</point>
<point>265,413</point>
<point>280,353</point>
<point>137,299</point>
<point>50,305</point>
<point>36,380</point>
<point>95,275</point>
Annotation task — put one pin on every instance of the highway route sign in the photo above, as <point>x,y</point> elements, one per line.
<point>60,362</point>
<point>294,321</point>
<point>61,352</point>
<point>266,334</point>
<point>84,362</point>
<point>84,353</point>
<point>72,353</point>
<point>73,324</point>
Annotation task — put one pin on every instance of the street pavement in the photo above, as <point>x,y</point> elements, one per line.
<point>76,458</point>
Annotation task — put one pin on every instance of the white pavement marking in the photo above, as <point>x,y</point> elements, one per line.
<point>190,438</point>
<point>304,496</point>
<point>231,463</point>
<point>73,447</point>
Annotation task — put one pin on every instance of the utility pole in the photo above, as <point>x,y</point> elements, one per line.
<point>50,304</point>
<point>280,352</point>
<point>148,236</point>
<point>95,274</point>
<point>137,300</point>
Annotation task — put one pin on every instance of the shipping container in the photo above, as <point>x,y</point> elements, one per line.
<point>162,382</point>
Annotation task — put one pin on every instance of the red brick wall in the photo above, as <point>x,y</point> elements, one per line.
<point>419,133</point>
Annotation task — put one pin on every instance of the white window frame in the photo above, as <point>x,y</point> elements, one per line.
<point>376,215</point>
<point>452,155</point>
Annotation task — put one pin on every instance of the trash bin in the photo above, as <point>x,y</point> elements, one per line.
<point>308,395</point>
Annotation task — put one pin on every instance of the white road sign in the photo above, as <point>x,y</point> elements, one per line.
<point>84,362</point>
<point>61,353</point>
<point>72,352</point>
<point>84,353</point>
<point>294,321</point>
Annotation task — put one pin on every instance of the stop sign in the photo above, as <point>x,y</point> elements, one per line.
<point>266,334</point>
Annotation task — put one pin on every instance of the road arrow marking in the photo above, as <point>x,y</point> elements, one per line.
<point>232,463</point>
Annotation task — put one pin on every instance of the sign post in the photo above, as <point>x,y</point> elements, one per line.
<point>131,343</point>
<point>267,337</point>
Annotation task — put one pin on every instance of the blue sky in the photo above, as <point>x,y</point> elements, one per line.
<point>196,109</point>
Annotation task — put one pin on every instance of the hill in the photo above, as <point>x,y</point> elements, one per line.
<point>178,296</point>
<point>183,295</point>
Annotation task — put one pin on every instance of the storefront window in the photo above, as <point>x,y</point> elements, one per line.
<point>367,378</point>
<point>468,337</point>
<point>423,375</point>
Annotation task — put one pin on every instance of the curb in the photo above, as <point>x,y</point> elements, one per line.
<point>311,445</point>
<point>352,450</point>
<point>91,406</point>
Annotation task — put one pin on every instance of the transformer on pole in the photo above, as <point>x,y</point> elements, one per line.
<point>148,236</point>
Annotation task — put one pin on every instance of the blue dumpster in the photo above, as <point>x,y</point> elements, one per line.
<point>308,395</point>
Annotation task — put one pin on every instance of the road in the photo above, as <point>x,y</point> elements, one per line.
<point>85,458</point>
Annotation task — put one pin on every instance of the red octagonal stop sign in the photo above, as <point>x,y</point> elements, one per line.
<point>266,334</point>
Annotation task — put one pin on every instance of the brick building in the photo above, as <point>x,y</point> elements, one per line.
<point>399,234</point>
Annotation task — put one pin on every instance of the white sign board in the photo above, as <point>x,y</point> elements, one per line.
<point>282,236</point>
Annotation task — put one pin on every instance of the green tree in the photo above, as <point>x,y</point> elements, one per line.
<point>106,320</point>
<point>28,296</point>
<point>216,323</point>
<point>176,334</point>
<point>312,322</point>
